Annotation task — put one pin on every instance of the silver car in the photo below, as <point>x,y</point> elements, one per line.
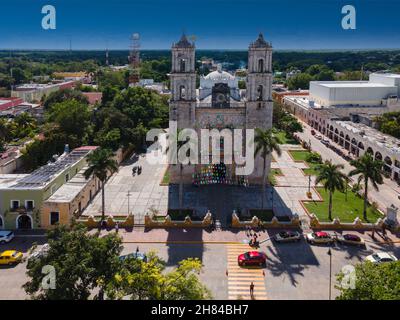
<point>287,236</point>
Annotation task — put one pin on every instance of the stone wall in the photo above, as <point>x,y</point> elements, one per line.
<point>169,223</point>
<point>256,222</point>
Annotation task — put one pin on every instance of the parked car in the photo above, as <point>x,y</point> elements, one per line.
<point>313,132</point>
<point>10,257</point>
<point>287,236</point>
<point>135,255</point>
<point>318,136</point>
<point>39,253</point>
<point>252,258</point>
<point>319,237</point>
<point>351,239</point>
<point>6,236</point>
<point>380,257</point>
<point>325,142</point>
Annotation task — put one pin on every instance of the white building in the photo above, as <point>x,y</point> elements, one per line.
<point>381,90</point>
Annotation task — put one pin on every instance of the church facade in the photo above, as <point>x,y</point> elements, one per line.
<point>219,104</point>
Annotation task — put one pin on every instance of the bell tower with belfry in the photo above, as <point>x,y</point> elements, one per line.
<point>183,83</point>
<point>259,84</point>
<point>259,104</point>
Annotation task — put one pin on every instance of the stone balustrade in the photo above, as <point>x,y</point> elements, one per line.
<point>336,224</point>
<point>256,222</point>
<point>92,222</point>
<point>167,222</point>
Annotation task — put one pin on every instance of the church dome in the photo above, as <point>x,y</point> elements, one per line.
<point>219,75</point>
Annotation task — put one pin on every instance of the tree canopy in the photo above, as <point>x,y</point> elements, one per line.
<point>372,282</point>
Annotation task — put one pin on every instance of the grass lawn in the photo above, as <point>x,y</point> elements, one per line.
<point>272,174</point>
<point>283,138</point>
<point>301,155</point>
<point>346,211</point>
<point>165,179</point>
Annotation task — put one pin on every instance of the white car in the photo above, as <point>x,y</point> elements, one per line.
<point>6,236</point>
<point>39,253</point>
<point>287,236</point>
<point>380,257</point>
<point>318,136</point>
<point>319,237</point>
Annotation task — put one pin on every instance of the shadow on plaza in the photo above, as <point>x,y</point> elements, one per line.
<point>221,201</point>
<point>288,259</point>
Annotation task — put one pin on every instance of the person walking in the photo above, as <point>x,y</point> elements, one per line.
<point>252,290</point>
<point>116,227</point>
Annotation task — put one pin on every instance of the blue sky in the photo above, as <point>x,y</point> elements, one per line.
<point>217,24</point>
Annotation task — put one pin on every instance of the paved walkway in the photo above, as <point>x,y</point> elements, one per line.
<point>144,190</point>
<point>292,185</point>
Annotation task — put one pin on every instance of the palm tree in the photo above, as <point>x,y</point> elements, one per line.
<point>368,169</point>
<point>332,178</point>
<point>266,142</point>
<point>179,144</point>
<point>101,163</point>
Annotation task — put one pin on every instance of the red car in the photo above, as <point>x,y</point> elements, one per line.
<point>252,258</point>
<point>313,132</point>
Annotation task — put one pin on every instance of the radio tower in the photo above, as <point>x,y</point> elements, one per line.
<point>134,60</point>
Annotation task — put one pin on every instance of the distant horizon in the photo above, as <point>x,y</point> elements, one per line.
<point>202,49</point>
<point>217,24</point>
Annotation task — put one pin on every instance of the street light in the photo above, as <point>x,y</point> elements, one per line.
<point>128,195</point>
<point>330,273</point>
<point>309,183</point>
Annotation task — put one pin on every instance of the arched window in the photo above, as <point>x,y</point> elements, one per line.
<point>182,65</point>
<point>261,65</point>
<point>260,93</point>
<point>182,93</point>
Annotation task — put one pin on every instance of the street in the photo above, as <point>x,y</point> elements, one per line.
<point>293,270</point>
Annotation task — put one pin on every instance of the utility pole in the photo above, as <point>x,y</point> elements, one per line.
<point>330,273</point>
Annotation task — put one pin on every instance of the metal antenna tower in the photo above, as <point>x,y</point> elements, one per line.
<point>134,60</point>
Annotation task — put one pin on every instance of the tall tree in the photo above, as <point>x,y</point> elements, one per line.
<point>266,143</point>
<point>179,143</point>
<point>332,179</point>
<point>369,170</point>
<point>101,163</point>
<point>147,280</point>
<point>371,282</point>
<point>81,261</point>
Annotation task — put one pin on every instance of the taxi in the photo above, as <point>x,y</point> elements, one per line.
<point>10,257</point>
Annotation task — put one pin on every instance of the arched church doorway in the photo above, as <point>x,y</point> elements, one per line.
<point>24,222</point>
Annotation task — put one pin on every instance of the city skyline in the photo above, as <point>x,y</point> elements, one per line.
<point>309,25</point>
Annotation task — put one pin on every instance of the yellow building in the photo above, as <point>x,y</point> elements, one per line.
<point>70,200</point>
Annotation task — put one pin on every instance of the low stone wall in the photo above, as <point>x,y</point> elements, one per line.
<point>274,223</point>
<point>169,223</point>
<point>92,222</point>
<point>336,224</point>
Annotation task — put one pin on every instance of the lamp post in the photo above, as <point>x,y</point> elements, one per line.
<point>128,195</point>
<point>272,198</point>
<point>309,183</point>
<point>330,273</point>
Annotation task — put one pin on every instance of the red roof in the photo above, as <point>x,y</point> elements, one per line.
<point>93,97</point>
<point>86,148</point>
<point>7,103</point>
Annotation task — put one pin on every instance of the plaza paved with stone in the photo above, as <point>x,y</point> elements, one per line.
<point>145,191</point>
